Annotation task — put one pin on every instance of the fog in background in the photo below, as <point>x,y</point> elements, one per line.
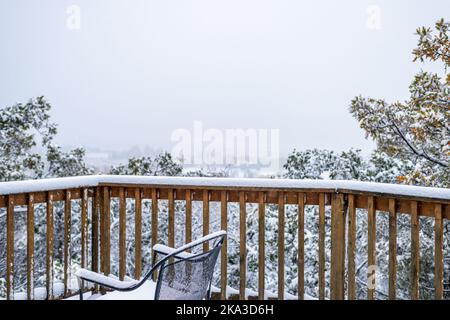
<point>135,71</point>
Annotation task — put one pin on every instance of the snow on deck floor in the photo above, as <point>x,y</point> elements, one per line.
<point>147,291</point>
<point>14,187</point>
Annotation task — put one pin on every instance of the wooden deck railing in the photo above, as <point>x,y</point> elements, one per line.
<point>344,198</point>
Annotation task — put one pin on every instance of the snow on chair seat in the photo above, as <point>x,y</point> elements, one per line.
<point>182,275</point>
<point>103,280</point>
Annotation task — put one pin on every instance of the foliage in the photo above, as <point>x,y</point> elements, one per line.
<point>161,165</point>
<point>26,132</point>
<point>416,130</point>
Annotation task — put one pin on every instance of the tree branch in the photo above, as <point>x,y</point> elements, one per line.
<point>415,151</point>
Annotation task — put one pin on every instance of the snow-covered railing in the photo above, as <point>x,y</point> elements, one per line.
<point>384,189</point>
<point>342,197</point>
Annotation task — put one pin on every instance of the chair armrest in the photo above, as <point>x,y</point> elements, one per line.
<point>103,280</point>
<point>160,248</point>
<point>181,251</point>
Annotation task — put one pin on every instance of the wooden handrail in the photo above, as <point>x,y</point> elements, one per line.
<point>343,197</point>
<point>328,186</point>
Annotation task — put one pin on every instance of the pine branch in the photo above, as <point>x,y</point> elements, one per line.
<point>414,150</point>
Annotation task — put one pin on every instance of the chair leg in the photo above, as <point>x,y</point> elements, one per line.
<point>80,287</point>
<point>208,293</point>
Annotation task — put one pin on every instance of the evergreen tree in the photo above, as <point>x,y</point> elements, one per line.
<point>161,165</point>
<point>416,130</point>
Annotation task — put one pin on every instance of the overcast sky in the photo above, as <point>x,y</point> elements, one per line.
<point>137,70</point>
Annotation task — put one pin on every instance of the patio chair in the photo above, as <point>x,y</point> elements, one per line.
<point>182,275</point>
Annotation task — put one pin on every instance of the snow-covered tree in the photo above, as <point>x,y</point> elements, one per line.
<point>161,165</point>
<point>27,150</point>
<point>61,164</point>
<point>416,130</point>
<point>21,125</point>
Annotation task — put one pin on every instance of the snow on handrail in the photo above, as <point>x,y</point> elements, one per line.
<point>27,186</point>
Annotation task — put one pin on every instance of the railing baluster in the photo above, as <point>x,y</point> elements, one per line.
<point>102,230</point>
<point>188,221</point>
<point>10,248</point>
<point>321,246</point>
<point>392,249</point>
<point>281,217</point>
<point>242,245</point>
<point>171,229</point>
<point>95,227</point>
<point>351,248</point>
<point>67,244</point>
<point>224,251</point>
<point>301,246</point>
<point>138,234</point>
<point>438,254</point>
<point>49,243</point>
<point>30,247</point>
<point>122,233</point>
<point>261,245</point>
<point>94,231</point>
<point>154,223</point>
<point>205,221</point>
<point>415,255</point>
<point>84,210</point>
<point>371,247</point>
<point>337,273</point>
<point>106,234</point>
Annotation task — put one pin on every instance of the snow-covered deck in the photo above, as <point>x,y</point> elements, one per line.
<point>147,291</point>
<point>341,198</point>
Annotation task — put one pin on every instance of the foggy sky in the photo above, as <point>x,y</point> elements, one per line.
<point>137,70</point>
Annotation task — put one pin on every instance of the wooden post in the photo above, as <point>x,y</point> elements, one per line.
<point>224,251</point>
<point>261,245</point>
<point>392,249</point>
<point>301,246</point>
<point>281,218</point>
<point>84,210</point>
<point>30,247</point>
<point>321,246</point>
<point>94,231</point>
<point>10,248</point>
<point>49,244</point>
<point>242,245</point>
<point>188,221</point>
<point>438,254</point>
<point>106,245</point>
<point>371,246</point>
<point>205,222</point>
<point>351,248</point>
<point>337,275</point>
<point>101,218</point>
<point>171,230</point>
<point>122,233</point>
<point>415,256</point>
<point>138,234</point>
<point>67,244</point>
<point>154,223</point>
